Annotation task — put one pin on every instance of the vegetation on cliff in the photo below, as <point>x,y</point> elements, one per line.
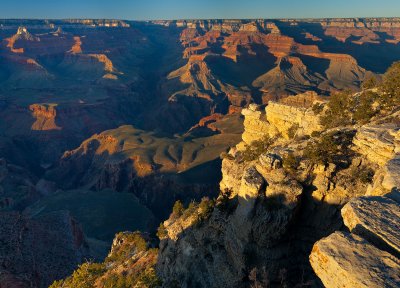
<point>330,147</point>
<point>253,151</point>
<point>376,99</point>
<point>130,264</point>
<point>391,86</point>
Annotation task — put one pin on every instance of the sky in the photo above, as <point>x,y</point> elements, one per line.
<point>196,9</point>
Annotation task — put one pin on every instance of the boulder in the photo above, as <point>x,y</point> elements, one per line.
<point>347,260</point>
<point>375,219</point>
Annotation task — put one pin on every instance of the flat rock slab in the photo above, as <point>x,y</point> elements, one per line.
<point>376,219</point>
<point>347,260</point>
<point>377,142</point>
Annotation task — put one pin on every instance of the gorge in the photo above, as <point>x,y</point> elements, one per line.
<point>105,124</point>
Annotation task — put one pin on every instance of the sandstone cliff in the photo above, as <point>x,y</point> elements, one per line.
<point>276,204</point>
<point>279,119</point>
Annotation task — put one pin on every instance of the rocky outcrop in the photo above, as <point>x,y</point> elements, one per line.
<point>279,119</point>
<point>102,58</point>
<point>255,125</point>
<point>250,188</point>
<point>22,34</point>
<point>347,260</point>
<point>368,257</point>
<point>379,143</point>
<point>283,118</point>
<point>232,175</point>
<point>388,179</point>
<point>267,200</point>
<point>45,117</point>
<point>375,219</point>
<point>77,47</point>
<point>304,100</point>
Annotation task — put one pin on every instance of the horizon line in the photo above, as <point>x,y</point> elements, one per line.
<point>206,19</point>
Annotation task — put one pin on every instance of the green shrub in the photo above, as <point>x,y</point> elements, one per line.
<point>149,279</point>
<point>162,231</point>
<point>317,108</point>
<point>292,131</point>
<point>290,162</point>
<point>190,209</point>
<point>132,243</point>
<point>338,112</point>
<point>83,277</point>
<point>144,279</point>
<point>369,83</point>
<point>256,148</point>
<point>363,108</point>
<point>344,109</point>
<point>206,207</point>
<point>201,210</point>
<point>366,175</point>
<point>330,148</point>
<point>178,209</point>
<point>140,274</point>
<point>391,86</point>
<point>315,134</point>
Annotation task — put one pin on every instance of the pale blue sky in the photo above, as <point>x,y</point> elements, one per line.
<point>177,9</point>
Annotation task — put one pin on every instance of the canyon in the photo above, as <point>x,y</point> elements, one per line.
<point>105,124</point>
